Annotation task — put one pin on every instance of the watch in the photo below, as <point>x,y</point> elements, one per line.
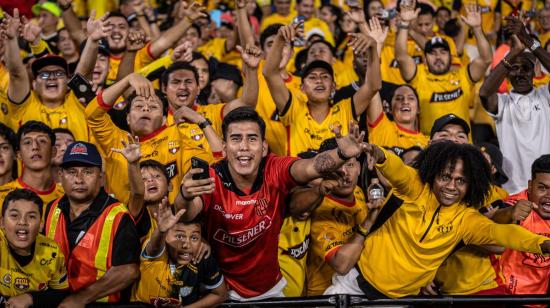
<point>401,25</point>
<point>362,231</point>
<point>535,45</point>
<point>204,123</point>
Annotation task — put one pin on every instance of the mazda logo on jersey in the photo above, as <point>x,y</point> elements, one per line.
<point>443,97</point>
<point>245,237</point>
<point>298,251</point>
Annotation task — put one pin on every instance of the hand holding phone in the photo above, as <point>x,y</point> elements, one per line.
<point>81,88</point>
<point>197,163</point>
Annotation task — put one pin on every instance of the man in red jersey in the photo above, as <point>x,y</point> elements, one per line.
<point>528,273</point>
<point>243,201</point>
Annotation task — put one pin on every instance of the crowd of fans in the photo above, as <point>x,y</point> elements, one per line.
<point>181,153</point>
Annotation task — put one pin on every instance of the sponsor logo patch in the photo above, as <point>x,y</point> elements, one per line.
<point>245,237</point>
<point>443,97</point>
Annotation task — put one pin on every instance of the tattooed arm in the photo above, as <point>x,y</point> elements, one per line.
<point>305,170</point>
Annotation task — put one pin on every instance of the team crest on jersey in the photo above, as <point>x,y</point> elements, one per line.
<point>42,286</point>
<point>444,229</point>
<point>4,108</point>
<point>185,291</point>
<point>21,283</point>
<point>173,147</point>
<point>260,207</point>
<point>120,105</point>
<point>196,134</point>
<point>63,121</point>
<point>535,260</point>
<point>6,279</point>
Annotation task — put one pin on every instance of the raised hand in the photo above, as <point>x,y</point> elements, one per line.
<point>374,152</point>
<point>360,42</point>
<point>131,150</point>
<point>408,13</point>
<point>251,55</point>
<point>204,252</point>
<point>183,52</point>
<point>327,186</point>
<point>241,4</point>
<point>186,114</point>
<point>517,27</point>
<point>31,33</point>
<point>11,25</point>
<point>141,85</point>
<point>289,32</point>
<point>350,145</point>
<point>136,40</point>
<point>138,6</point>
<point>376,31</point>
<point>517,46</point>
<point>164,216</point>
<point>473,15</point>
<point>193,11</point>
<point>98,29</point>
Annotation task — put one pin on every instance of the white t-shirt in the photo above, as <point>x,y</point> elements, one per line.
<point>523,131</point>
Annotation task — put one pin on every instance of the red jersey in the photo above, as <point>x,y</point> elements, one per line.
<point>527,273</point>
<point>243,227</point>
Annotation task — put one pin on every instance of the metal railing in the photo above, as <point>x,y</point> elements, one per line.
<point>345,300</point>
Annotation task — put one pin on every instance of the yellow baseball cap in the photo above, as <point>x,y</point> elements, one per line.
<point>47,6</point>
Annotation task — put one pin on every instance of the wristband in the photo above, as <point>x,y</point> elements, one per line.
<point>184,197</point>
<point>535,45</point>
<point>506,64</point>
<point>362,231</point>
<point>341,155</point>
<point>403,26</point>
<point>204,123</point>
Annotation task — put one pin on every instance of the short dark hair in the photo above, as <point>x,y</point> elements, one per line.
<point>426,9</point>
<point>406,86</point>
<point>22,194</point>
<point>158,93</point>
<point>243,114</point>
<point>9,135</point>
<point>153,164</point>
<point>118,14</point>
<point>452,27</point>
<point>433,160</point>
<point>35,126</point>
<point>176,66</point>
<point>269,32</point>
<point>62,130</point>
<point>442,8</point>
<point>197,28</point>
<point>540,165</point>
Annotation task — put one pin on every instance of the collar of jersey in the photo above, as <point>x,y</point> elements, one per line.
<point>222,169</point>
<point>36,191</point>
<point>153,134</point>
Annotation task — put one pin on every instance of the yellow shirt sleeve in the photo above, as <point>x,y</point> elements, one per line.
<point>155,66</point>
<point>404,179</point>
<point>480,230</point>
<point>143,57</point>
<point>106,133</point>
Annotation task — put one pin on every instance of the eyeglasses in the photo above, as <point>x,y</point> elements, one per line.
<point>56,74</point>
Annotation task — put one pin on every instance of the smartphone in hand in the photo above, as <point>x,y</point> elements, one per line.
<point>197,163</point>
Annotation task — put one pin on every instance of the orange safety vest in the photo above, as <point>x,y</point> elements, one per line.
<point>92,256</point>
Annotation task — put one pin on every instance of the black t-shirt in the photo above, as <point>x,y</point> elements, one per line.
<point>126,247</point>
<point>189,280</point>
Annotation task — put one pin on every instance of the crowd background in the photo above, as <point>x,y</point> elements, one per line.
<point>180,153</point>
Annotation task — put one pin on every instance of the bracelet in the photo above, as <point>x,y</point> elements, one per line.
<point>184,197</point>
<point>189,20</point>
<point>65,7</point>
<point>341,155</point>
<point>403,26</point>
<point>362,231</point>
<point>506,64</point>
<point>204,123</point>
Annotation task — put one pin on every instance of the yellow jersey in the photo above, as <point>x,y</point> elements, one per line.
<point>165,145</point>
<point>343,75</point>
<point>488,8</point>
<point>294,242</point>
<point>442,94</point>
<point>316,23</point>
<point>333,224</point>
<point>69,115</point>
<point>275,18</point>
<point>163,283</point>
<point>142,59</point>
<point>304,133</point>
<point>387,134</point>
<point>47,196</point>
<point>389,68</point>
<point>5,105</point>
<point>417,234</point>
<point>214,48</point>
<point>45,271</point>
<point>470,270</point>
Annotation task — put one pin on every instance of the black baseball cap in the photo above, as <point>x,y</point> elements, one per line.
<point>46,60</point>
<point>496,159</point>
<point>102,47</point>
<point>82,153</point>
<point>436,42</point>
<point>317,64</point>
<point>449,119</point>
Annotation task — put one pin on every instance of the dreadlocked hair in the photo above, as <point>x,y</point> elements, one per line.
<point>433,161</point>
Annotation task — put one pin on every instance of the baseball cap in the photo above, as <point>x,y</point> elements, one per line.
<point>82,153</point>
<point>315,31</point>
<point>102,47</point>
<point>449,119</point>
<point>436,42</point>
<point>317,64</point>
<point>46,60</point>
<point>47,6</point>
<point>229,72</point>
<point>496,159</point>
